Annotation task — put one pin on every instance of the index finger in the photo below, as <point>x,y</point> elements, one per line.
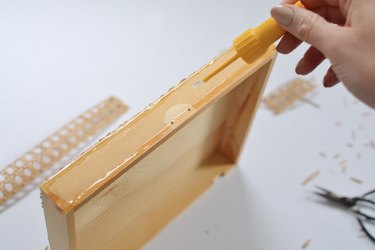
<point>317,4</point>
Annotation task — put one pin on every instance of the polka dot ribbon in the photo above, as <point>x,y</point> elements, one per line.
<point>28,167</point>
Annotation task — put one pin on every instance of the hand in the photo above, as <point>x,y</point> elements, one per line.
<point>343,31</point>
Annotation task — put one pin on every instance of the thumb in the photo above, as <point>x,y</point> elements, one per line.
<point>305,25</point>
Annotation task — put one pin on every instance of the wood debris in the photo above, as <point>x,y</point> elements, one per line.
<point>343,169</point>
<point>336,156</point>
<point>356,180</point>
<point>354,135</point>
<point>343,166</point>
<point>370,144</point>
<point>349,145</point>
<point>322,154</point>
<point>310,178</point>
<point>343,162</point>
<point>366,114</point>
<point>306,244</point>
<point>338,124</point>
<point>315,105</point>
<point>362,234</point>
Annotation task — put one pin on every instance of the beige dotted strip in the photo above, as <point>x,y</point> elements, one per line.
<point>285,96</point>
<point>31,165</point>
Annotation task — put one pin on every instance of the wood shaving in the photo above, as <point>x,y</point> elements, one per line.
<point>336,156</point>
<point>338,124</point>
<point>306,244</point>
<point>362,234</point>
<point>358,181</point>
<point>322,154</point>
<point>370,144</point>
<point>343,166</point>
<point>354,135</point>
<point>315,105</point>
<point>310,178</point>
<point>349,145</point>
<point>343,162</point>
<point>343,169</point>
<point>366,114</point>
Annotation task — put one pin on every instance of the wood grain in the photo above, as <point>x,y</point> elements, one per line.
<point>127,187</point>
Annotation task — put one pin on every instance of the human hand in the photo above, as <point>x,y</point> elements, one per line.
<point>343,31</point>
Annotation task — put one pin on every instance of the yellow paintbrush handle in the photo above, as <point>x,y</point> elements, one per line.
<point>253,43</point>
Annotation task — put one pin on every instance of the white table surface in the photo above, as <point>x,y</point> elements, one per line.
<point>58,58</point>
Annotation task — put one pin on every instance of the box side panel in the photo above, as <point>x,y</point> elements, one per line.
<point>243,109</point>
<point>60,226</point>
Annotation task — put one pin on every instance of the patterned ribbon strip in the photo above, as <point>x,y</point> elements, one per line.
<point>32,164</point>
<point>286,95</point>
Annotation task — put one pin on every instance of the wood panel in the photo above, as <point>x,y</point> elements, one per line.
<point>247,97</point>
<point>60,226</point>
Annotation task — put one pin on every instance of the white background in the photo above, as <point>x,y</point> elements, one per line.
<point>58,58</point>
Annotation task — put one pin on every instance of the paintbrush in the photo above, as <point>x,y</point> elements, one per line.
<point>253,43</point>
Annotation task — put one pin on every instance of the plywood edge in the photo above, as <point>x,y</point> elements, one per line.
<point>60,225</point>
<point>245,107</point>
<point>120,150</point>
<point>257,94</point>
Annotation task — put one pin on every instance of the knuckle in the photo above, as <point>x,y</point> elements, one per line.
<point>307,26</point>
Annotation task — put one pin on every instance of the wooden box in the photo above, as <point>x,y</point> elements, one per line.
<point>128,186</point>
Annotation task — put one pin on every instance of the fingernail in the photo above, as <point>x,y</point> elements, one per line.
<point>299,68</point>
<point>326,82</point>
<point>283,15</point>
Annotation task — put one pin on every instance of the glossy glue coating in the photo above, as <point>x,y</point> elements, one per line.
<point>131,142</point>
